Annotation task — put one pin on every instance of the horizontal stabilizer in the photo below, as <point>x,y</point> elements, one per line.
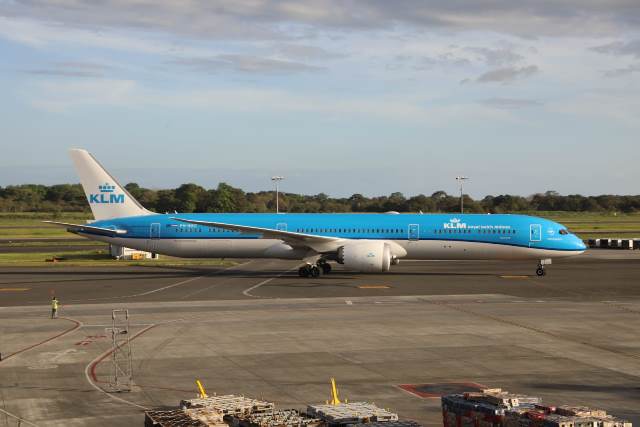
<point>88,229</point>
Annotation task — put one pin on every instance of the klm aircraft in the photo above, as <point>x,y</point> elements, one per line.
<point>361,242</point>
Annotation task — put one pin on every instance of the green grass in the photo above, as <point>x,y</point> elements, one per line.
<point>36,218</point>
<point>28,220</point>
<point>47,231</point>
<point>96,258</point>
<point>38,243</point>
<point>589,225</point>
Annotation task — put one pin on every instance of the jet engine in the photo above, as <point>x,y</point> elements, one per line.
<point>366,256</point>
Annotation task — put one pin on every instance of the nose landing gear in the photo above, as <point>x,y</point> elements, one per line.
<point>540,271</point>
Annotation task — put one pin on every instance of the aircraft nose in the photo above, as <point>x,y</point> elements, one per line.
<point>580,244</point>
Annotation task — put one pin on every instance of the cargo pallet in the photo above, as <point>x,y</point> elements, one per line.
<point>278,418</point>
<point>229,405</point>
<point>350,413</point>
<point>497,408</point>
<point>181,418</point>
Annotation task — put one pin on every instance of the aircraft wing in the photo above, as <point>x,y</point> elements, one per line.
<point>87,229</point>
<point>315,242</point>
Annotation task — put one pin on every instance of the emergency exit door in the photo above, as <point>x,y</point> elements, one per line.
<point>535,232</point>
<point>414,232</point>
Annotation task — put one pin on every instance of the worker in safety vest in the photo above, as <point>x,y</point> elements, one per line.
<point>54,308</point>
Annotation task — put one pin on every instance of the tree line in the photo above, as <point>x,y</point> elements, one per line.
<point>225,198</point>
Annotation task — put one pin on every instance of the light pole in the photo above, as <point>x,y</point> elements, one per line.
<point>461,180</point>
<point>277,180</point>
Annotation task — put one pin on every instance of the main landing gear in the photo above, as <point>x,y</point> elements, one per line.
<point>540,271</point>
<point>315,270</point>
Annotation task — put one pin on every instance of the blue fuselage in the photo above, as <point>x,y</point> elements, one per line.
<point>519,231</point>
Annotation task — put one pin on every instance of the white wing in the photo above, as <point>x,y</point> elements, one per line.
<point>315,242</point>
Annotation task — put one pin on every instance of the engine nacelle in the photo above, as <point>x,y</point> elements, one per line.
<point>366,256</point>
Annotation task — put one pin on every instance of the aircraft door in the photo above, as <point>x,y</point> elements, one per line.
<point>535,233</point>
<point>414,232</point>
<point>155,231</point>
<point>154,234</point>
<point>281,226</point>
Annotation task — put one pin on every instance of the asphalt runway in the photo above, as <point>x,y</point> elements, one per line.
<point>599,275</point>
<point>259,330</point>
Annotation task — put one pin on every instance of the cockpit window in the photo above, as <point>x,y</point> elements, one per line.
<point>564,232</point>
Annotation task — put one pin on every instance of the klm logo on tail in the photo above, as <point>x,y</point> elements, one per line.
<point>106,195</point>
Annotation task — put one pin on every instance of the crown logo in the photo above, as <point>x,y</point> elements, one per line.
<point>455,220</point>
<point>106,188</point>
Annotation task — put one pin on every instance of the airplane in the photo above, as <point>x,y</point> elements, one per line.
<point>369,243</point>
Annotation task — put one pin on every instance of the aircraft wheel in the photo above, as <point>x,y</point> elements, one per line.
<point>303,271</point>
<point>326,268</point>
<point>540,271</point>
<point>314,271</point>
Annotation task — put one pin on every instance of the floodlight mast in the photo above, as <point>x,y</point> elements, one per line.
<point>461,180</point>
<point>276,180</point>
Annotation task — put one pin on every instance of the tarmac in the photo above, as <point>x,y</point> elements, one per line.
<point>259,330</point>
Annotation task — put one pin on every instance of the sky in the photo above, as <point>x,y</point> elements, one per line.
<point>338,96</point>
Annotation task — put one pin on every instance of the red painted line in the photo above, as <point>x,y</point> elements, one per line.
<point>96,362</point>
<point>76,326</point>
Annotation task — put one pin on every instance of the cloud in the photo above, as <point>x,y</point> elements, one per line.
<point>507,74</point>
<point>496,57</point>
<point>631,48</point>
<point>62,73</point>
<point>446,59</point>
<point>275,19</point>
<point>619,72</point>
<point>69,96</point>
<point>620,106</point>
<point>56,96</point>
<point>42,34</point>
<point>71,69</point>
<point>462,56</point>
<point>305,52</point>
<point>244,64</point>
<point>510,103</point>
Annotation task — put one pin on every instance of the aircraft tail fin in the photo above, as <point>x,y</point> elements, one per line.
<point>106,197</point>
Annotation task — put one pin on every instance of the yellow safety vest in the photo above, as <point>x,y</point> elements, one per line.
<point>54,304</point>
